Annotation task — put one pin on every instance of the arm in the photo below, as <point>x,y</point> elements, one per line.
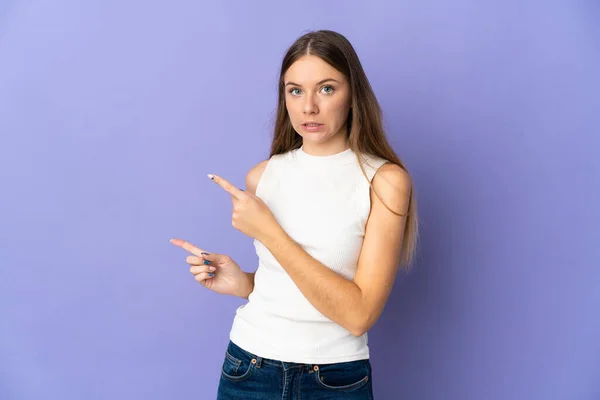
<point>247,286</point>
<point>354,304</point>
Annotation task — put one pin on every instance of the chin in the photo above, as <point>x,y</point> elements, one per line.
<point>316,137</point>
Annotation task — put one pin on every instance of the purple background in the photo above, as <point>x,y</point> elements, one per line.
<point>113,112</point>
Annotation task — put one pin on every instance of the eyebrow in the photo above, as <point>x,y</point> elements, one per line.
<point>318,83</point>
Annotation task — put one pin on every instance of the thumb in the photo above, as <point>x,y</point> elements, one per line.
<point>212,257</point>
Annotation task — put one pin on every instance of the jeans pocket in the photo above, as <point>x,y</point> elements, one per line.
<point>344,377</point>
<point>237,365</point>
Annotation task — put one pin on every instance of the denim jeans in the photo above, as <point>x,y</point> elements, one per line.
<point>245,376</point>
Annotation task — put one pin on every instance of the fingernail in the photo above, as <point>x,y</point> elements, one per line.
<point>206,262</point>
<point>211,274</point>
<point>211,176</point>
<point>212,269</point>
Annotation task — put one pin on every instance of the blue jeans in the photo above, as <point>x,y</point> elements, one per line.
<point>245,376</point>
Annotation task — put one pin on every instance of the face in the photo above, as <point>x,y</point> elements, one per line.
<point>316,92</point>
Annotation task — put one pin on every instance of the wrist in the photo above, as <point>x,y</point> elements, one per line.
<point>275,238</point>
<point>246,285</point>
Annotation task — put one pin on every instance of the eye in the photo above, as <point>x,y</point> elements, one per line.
<point>330,89</point>
<point>292,91</point>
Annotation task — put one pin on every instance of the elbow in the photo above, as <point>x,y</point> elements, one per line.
<point>357,331</point>
<point>360,326</point>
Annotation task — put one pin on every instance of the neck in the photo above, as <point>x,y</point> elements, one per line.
<point>326,149</point>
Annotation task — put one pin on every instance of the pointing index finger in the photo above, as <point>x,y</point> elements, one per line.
<point>188,246</point>
<point>229,188</point>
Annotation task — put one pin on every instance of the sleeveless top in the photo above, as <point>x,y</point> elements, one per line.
<point>322,203</point>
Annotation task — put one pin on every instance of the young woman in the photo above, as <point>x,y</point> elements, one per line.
<point>333,216</point>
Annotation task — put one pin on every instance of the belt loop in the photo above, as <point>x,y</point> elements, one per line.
<point>258,361</point>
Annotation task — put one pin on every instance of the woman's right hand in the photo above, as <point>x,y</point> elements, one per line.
<point>221,274</point>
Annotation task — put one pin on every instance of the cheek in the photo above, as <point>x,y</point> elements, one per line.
<point>339,109</point>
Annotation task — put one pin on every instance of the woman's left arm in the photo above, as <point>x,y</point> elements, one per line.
<point>354,304</point>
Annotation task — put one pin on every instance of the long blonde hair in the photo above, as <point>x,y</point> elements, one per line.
<point>365,122</point>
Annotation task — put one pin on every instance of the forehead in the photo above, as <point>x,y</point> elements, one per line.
<point>309,70</point>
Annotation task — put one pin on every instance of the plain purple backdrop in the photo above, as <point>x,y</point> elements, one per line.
<point>113,112</point>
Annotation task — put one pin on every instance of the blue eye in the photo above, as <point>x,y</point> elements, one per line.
<point>325,89</point>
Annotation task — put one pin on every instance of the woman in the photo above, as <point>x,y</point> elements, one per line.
<point>332,216</point>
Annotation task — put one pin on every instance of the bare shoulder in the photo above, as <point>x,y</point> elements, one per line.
<point>393,184</point>
<point>253,176</point>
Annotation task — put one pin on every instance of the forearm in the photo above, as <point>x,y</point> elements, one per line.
<point>336,297</point>
<point>246,286</point>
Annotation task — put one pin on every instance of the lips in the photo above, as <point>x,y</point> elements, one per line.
<point>312,127</point>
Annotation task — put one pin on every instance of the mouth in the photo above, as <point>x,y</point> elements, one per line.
<point>312,124</point>
<point>312,127</point>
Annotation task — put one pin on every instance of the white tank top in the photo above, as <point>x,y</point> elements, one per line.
<point>322,202</point>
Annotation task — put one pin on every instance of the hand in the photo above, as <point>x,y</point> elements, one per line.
<point>228,277</point>
<point>250,215</point>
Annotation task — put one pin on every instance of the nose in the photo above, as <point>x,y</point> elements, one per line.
<point>310,105</point>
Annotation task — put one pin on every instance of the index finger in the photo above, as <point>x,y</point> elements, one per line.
<point>188,246</point>
<point>229,188</point>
